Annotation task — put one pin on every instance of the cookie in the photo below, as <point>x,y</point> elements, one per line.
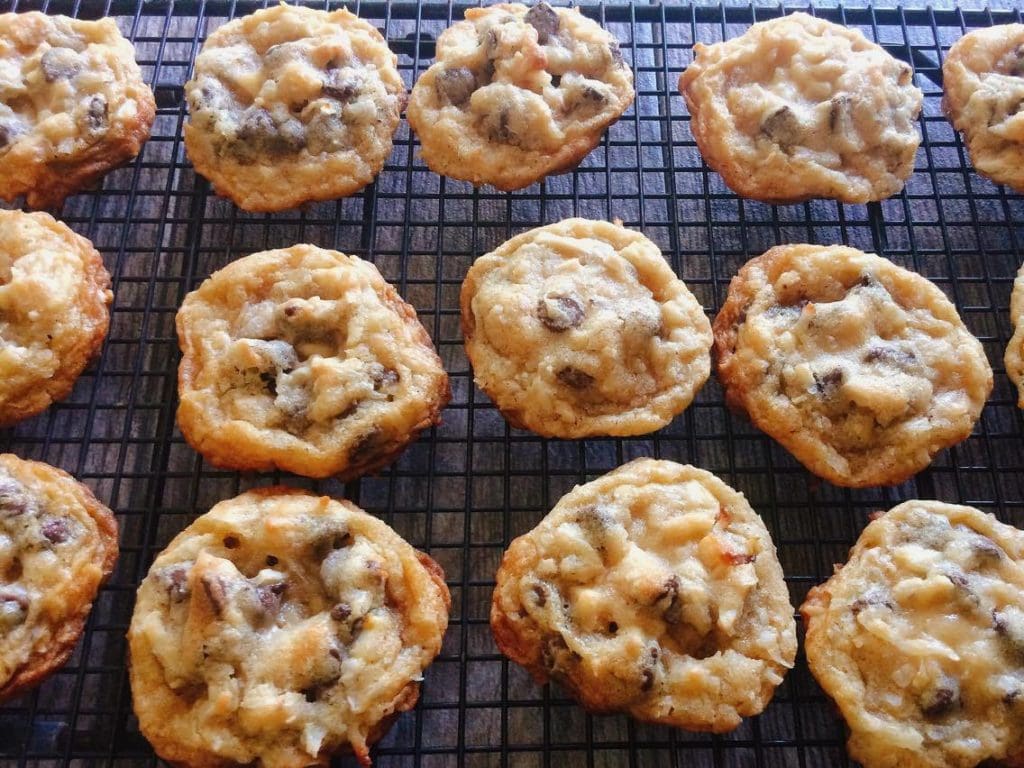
<point>654,590</point>
<point>799,107</point>
<point>290,105</point>
<point>58,544</point>
<point>54,311</point>
<point>861,369</point>
<point>919,639</point>
<point>304,360</point>
<point>983,83</point>
<point>1014,356</point>
<point>281,628</point>
<point>518,93</point>
<point>581,328</point>
<point>73,105</point>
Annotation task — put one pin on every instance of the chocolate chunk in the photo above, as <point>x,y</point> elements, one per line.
<point>574,378</point>
<point>231,542</point>
<point>216,592</point>
<point>270,597</point>
<point>613,627</point>
<point>827,383</point>
<point>455,85</point>
<point>670,602</point>
<point>873,597</point>
<point>544,19</point>
<point>176,580</point>
<point>341,611</point>
<point>270,382</point>
<point>559,312</point>
<point>13,499</point>
<point>56,530</point>
<point>258,133</point>
<point>60,64</point>
<point>985,549</point>
<point>940,698</point>
<point>892,355</point>
<point>383,377</point>
<point>839,112</point>
<point>497,127</point>
<point>341,85</point>
<point>782,127</point>
<point>96,116</point>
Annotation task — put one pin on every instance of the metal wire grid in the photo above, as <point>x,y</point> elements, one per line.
<point>463,491</point>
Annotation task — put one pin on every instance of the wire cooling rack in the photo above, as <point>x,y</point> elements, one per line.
<point>464,490</point>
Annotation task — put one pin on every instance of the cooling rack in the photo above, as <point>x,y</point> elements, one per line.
<point>464,490</point>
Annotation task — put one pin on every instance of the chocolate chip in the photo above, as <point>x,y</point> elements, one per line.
<point>324,133</point>
<point>216,592</point>
<point>559,312</point>
<point>272,561</point>
<point>96,116</point>
<point>985,549</point>
<point>827,383</point>
<point>259,134</point>
<point>13,499</point>
<point>341,85</point>
<point>669,601</point>
<point>368,445</point>
<point>456,85</point>
<point>176,580</point>
<point>940,698</point>
<point>782,127</point>
<point>540,595</point>
<point>383,377</point>
<point>839,111</point>
<point>574,378</point>
<point>270,597</point>
<point>14,604</point>
<point>270,382</point>
<point>544,19</point>
<point>556,80</point>
<point>648,680</point>
<point>60,64</point>
<point>340,612</point>
<point>231,542</point>
<point>892,355</point>
<point>56,530</point>
<point>613,627</point>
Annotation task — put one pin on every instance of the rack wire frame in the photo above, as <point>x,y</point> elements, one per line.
<point>463,491</point>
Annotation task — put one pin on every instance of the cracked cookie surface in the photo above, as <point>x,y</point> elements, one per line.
<point>654,590</point>
<point>799,107</point>
<point>861,369</point>
<point>290,105</point>
<point>306,360</point>
<point>582,328</point>
<point>281,628</point>
<point>54,311</point>
<point>73,105</point>
<point>919,639</point>
<point>58,544</point>
<point>983,82</point>
<point>518,93</point>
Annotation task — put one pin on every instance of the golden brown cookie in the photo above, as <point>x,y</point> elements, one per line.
<point>1014,356</point>
<point>306,360</point>
<point>861,369</point>
<point>983,81</point>
<point>582,328</point>
<point>58,544</point>
<point>73,105</point>
<point>919,639</point>
<point>54,311</point>
<point>654,590</point>
<point>518,93</point>
<point>798,107</point>
<point>279,629</point>
<point>292,104</point>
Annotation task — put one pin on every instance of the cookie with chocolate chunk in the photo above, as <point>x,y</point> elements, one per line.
<point>306,360</point>
<point>983,83</point>
<point>654,590</point>
<point>54,311</point>
<point>582,328</point>
<point>919,639</point>
<point>518,93</point>
<point>281,628</point>
<point>861,369</point>
<point>292,104</point>
<point>73,105</point>
<point>58,544</point>
<point>798,107</point>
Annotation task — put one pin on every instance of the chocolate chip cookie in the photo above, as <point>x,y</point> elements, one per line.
<point>919,639</point>
<point>54,311</point>
<point>292,104</point>
<point>861,369</point>
<point>306,360</point>
<point>518,93</point>
<point>73,105</point>
<point>799,107</point>
<point>983,79</point>
<point>654,590</point>
<point>58,544</point>
<point>1014,356</point>
<point>581,328</point>
<point>279,629</point>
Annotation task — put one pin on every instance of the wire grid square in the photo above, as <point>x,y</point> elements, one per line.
<point>466,489</point>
